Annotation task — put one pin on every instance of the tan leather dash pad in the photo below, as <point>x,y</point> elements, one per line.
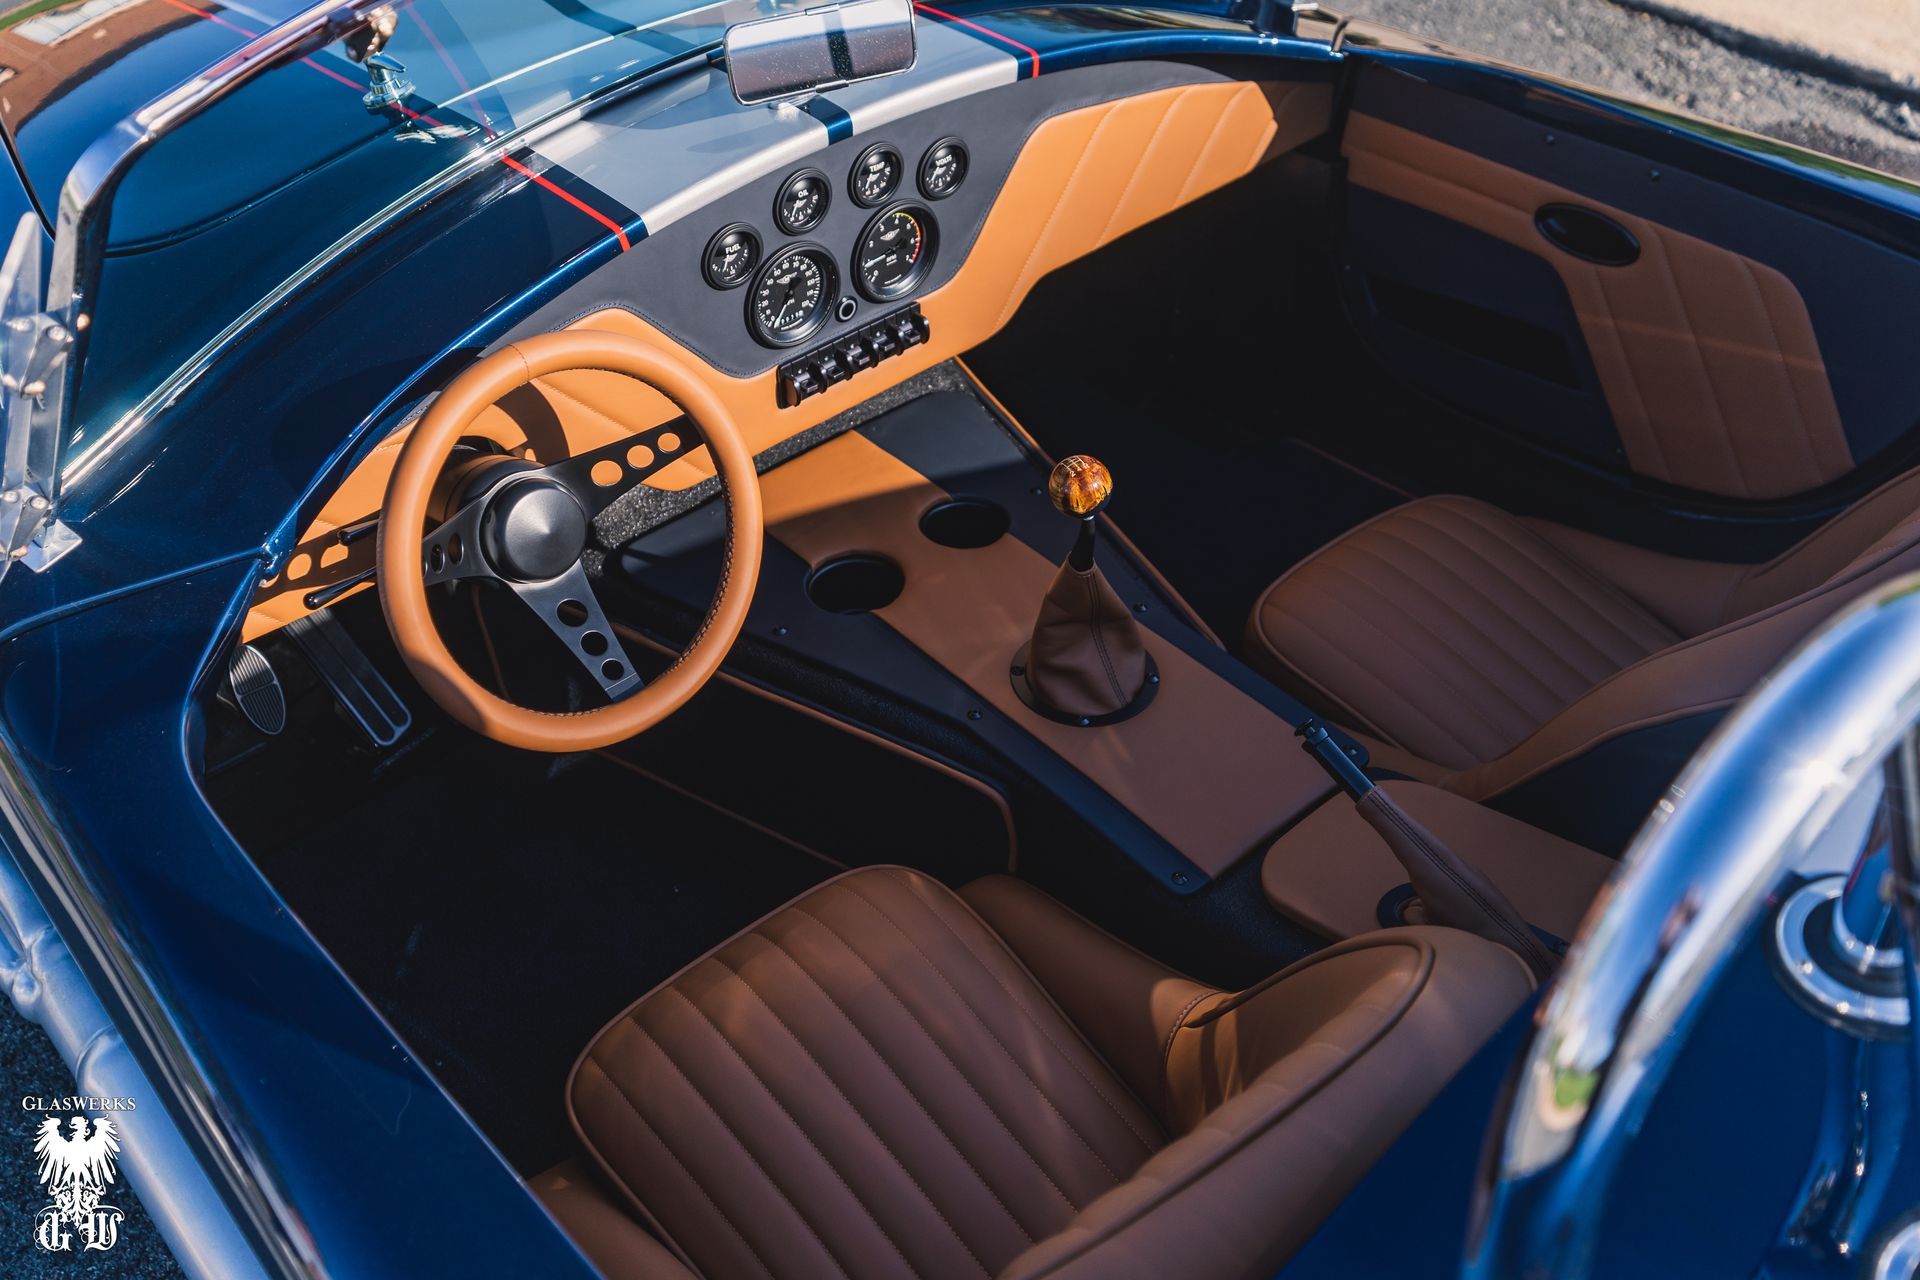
<point>1205,766</point>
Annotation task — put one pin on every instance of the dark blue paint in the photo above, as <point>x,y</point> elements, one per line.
<point>386,1173</point>
<point>386,1176</point>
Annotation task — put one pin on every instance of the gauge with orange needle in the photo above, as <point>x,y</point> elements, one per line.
<point>894,253</point>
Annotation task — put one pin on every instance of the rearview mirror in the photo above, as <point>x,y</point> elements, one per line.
<point>796,54</point>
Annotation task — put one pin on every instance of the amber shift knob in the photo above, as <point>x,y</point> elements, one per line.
<point>1080,485</point>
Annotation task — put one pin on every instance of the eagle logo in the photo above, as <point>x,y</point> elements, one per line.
<point>76,1169</point>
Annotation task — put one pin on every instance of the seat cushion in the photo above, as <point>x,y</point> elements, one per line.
<point>865,1083</point>
<point>1447,628</point>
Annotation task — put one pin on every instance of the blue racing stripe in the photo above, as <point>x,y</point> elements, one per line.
<point>839,123</point>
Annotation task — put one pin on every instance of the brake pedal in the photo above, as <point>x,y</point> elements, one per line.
<point>254,689</point>
<point>356,683</point>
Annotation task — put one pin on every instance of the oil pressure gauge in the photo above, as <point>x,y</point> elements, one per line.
<point>802,202</point>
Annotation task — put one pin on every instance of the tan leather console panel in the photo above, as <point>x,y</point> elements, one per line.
<point>1208,768</point>
<point>1084,178</point>
<point>1708,359</point>
<point>1331,871</point>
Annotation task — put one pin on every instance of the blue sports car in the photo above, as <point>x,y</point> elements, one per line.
<point>1003,640</point>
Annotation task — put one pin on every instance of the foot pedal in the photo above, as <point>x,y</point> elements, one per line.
<point>355,681</point>
<point>255,690</point>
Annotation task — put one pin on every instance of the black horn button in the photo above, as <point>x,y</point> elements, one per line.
<point>533,531</point>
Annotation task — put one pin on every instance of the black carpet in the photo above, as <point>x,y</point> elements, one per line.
<point>1196,387</point>
<point>499,917</point>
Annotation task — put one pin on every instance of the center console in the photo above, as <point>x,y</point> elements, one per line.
<point>911,552</point>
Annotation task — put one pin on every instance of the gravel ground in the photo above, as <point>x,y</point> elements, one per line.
<point>29,1067</point>
<point>1594,42</point>
<point>1637,55</point>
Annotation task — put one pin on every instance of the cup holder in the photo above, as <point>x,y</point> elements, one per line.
<point>966,523</point>
<point>857,583</point>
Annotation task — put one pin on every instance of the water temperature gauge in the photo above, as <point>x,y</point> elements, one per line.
<point>875,175</point>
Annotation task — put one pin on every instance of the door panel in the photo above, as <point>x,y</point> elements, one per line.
<point>1748,350</point>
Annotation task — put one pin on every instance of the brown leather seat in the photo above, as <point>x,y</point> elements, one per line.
<point>1480,649</point>
<point>884,1079</point>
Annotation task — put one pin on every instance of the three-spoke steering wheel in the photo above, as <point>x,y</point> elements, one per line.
<point>526,526</point>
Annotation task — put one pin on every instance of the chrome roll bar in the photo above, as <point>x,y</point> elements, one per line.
<point>1741,815</point>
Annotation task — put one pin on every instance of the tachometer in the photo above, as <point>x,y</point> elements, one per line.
<point>793,295</point>
<point>894,252</point>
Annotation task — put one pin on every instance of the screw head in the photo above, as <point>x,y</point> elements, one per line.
<point>779,632</point>
<point>1181,877</point>
<point>973,714</point>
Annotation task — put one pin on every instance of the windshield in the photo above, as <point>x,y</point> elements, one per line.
<point>220,214</point>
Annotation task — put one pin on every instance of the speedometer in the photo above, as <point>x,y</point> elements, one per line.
<point>894,252</point>
<point>792,296</point>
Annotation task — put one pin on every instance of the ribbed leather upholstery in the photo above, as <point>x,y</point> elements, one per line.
<point>1448,628</point>
<point>869,1083</point>
<point>1480,650</point>
<point>866,1084</point>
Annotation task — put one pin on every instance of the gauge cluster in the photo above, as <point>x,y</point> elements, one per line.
<point>796,283</point>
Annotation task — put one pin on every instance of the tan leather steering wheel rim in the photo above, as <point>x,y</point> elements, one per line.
<point>403,523</point>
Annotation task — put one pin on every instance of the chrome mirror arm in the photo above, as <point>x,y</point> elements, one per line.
<point>1743,813</point>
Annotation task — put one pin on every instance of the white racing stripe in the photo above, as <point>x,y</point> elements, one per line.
<point>674,150</point>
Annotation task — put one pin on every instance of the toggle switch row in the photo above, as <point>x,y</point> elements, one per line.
<point>810,374</point>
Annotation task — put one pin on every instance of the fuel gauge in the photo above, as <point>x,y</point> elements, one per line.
<point>732,255</point>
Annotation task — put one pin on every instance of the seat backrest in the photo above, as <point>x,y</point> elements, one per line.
<point>1770,609</point>
<point>1885,520</point>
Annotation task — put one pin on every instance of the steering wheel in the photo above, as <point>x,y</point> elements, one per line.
<point>526,526</point>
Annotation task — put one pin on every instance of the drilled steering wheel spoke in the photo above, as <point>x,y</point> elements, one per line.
<point>452,550</point>
<point>598,476</point>
<point>569,608</point>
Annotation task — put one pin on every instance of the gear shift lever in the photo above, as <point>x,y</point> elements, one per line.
<point>1086,664</point>
<point>1079,486</point>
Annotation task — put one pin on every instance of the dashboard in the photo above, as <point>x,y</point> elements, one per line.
<point>807,260</point>
<point>815,263</point>
<point>794,289</point>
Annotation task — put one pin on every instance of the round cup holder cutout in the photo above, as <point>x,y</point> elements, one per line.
<point>858,583</point>
<point>966,523</point>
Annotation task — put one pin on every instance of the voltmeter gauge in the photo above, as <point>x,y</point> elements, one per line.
<point>943,168</point>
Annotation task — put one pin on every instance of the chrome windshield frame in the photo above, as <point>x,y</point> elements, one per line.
<point>1741,815</point>
<point>86,196</point>
<point>111,156</point>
